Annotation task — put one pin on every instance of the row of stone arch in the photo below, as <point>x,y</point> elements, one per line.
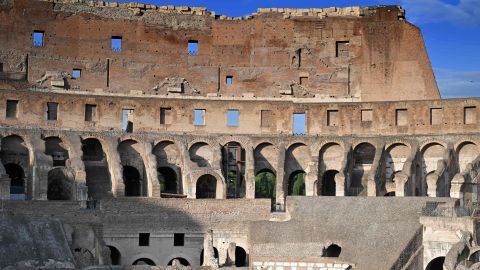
<point>227,170</point>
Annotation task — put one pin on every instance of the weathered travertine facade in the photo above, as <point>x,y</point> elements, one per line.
<point>107,102</point>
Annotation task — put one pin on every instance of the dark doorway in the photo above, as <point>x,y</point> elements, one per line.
<point>436,264</point>
<point>329,187</point>
<point>240,257</point>
<point>215,255</point>
<point>60,185</point>
<point>296,184</point>
<point>115,255</point>
<point>233,157</point>
<point>17,179</point>
<point>206,187</point>
<point>332,251</point>
<point>131,179</point>
<point>168,180</point>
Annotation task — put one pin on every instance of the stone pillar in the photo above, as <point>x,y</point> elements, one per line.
<point>208,251</point>
<point>311,176</point>
<point>249,173</point>
<point>4,186</point>
<point>74,146</point>
<point>432,180</point>
<point>340,184</point>
<point>230,261</point>
<point>114,166</point>
<point>280,185</point>
<point>40,166</point>
<point>150,161</point>
<point>400,181</point>
<point>187,182</point>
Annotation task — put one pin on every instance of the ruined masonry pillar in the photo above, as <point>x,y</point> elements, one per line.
<point>280,185</point>
<point>311,177</point>
<point>186,171</point>
<point>249,173</point>
<point>115,167</point>
<point>150,161</point>
<point>4,187</point>
<point>76,163</point>
<point>41,164</point>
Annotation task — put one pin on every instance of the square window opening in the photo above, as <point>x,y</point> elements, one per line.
<point>232,118</point>
<point>299,123</point>
<point>116,43</point>
<point>1,67</point>
<point>144,239</point>
<point>12,108</point>
<point>303,81</point>
<point>90,112</point>
<point>342,49</point>
<point>266,118</point>
<point>436,116</point>
<point>165,116</point>
<point>76,73</point>
<point>127,120</point>
<point>332,118</point>
<point>470,115</point>
<point>193,47</point>
<point>38,38</point>
<point>199,117</point>
<point>229,80</point>
<point>52,109</point>
<point>367,115</point>
<point>178,239</point>
<point>401,117</point>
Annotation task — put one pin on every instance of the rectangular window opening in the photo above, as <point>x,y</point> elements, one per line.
<point>342,49</point>
<point>38,38</point>
<point>229,80</point>
<point>193,47</point>
<point>76,73</point>
<point>232,118</point>
<point>332,118</point>
<point>1,67</point>
<point>266,118</point>
<point>303,81</point>
<point>52,109</point>
<point>178,239</point>
<point>199,117</point>
<point>127,120</point>
<point>401,117</point>
<point>12,106</point>
<point>90,112</point>
<point>144,239</point>
<point>470,115</point>
<point>436,116</point>
<point>299,124</point>
<point>165,116</point>
<point>116,43</point>
<point>367,115</point>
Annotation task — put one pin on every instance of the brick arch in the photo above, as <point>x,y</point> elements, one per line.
<point>243,141</point>
<point>423,145</point>
<point>398,142</point>
<point>208,141</point>
<point>317,147</point>
<point>221,185</point>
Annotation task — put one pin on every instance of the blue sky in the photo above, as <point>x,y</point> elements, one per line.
<point>451,30</point>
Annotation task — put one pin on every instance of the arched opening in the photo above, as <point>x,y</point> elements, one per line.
<point>17,181</point>
<point>96,169</point>
<point>435,264</point>
<point>240,257</point>
<point>390,194</point>
<point>233,159</point>
<point>144,261</point>
<point>60,184</point>
<point>296,184</point>
<point>54,147</point>
<point>363,156</point>
<point>396,155</point>
<point>182,261</point>
<point>134,175</point>
<point>265,182</point>
<point>168,180</point>
<point>332,251</point>
<point>466,153</point>
<point>115,256</point>
<point>474,257</point>
<point>201,154</point>
<point>131,179</point>
<point>215,255</point>
<point>265,157</point>
<point>328,183</point>
<point>206,187</point>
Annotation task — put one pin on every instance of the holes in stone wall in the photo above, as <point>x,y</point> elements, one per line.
<point>232,118</point>
<point>470,115</point>
<point>178,239</point>
<point>303,81</point>
<point>165,116</point>
<point>76,73</point>
<point>90,112</point>
<point>401,117</point>
<point>299,123</point>
<point>38,38</point>
<point>193,47</point>
<point>116,43</point>
<point>436,116</point>
<point>229,80</point>
<point>12,108</point>
<point>143,239</point>
<point>266,118</point>
<point>367,115</point>
<point>342,49</point>
<point>199,117</point>
<point>332,118</point>
<point>127,120</point>
<point>1,67</point>
<point>52,110</point>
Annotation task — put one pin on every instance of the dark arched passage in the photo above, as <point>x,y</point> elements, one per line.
<point>240,257</point>
<point>60,184</point>
<point>265,182</point>
<point>115,256</point>
<point>215,255</point>
<point>17,180</point>
<point>206,187</point>
<point>296,184</point>
<point>168,180</point>
<point>435,264</point>
<point>332,251</point>
<point>233,159</point>
<point>96,169</point>
<point>329,187</point>
<point>131,179</point>
<point>144,261</point>
<point>182,261</point>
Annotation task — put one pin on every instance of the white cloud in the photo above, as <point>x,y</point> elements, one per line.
<point>433,11</point>
<point>456,84</point>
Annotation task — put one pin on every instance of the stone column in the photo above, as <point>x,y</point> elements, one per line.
<point>74,146</point>
<point>249,173</point>
<point>39,168</point>
<point>311,176</point>
<point>150,161</point>
<point>4,187</point>
<point>186,170</point>
<point>114,166</point>
<point>208,251</point>
<point>280,185</point>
